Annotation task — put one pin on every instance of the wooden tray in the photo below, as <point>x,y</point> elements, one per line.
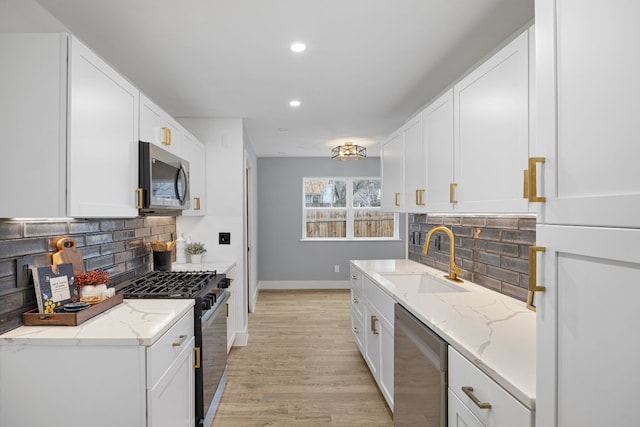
<point>33,318</point>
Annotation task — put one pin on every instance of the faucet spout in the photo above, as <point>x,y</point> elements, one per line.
<point>454,270</point>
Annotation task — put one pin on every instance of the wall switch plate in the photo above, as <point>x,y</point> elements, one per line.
<point>224,238</point>
<point>336,268</point>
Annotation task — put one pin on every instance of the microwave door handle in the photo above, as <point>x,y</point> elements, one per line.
<point>185,179</point>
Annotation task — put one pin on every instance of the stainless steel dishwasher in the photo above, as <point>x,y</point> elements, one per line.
<point>420,373</point>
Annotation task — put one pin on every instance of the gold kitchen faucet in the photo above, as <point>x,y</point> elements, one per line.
<point>454,270</point>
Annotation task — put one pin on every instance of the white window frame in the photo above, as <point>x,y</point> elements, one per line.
<point>350,213</point>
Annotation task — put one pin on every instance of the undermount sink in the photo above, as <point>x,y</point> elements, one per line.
<point>422,283</point>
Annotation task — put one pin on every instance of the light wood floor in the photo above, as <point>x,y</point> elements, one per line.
<point>301,367</point>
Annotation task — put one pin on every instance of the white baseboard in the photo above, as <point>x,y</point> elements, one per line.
<point>304,284</point>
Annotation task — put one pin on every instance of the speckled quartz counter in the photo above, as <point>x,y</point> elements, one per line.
<point>134,322</point>
<point>497,333</point>
<point>222,267</point>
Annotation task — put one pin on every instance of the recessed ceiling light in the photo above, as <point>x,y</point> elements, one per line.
<point>294,103</point>
<point>298,47</point>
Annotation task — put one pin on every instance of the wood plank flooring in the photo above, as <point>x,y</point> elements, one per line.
<point>301,367</point>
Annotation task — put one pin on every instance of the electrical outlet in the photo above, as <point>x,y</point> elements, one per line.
<point>336,268</point>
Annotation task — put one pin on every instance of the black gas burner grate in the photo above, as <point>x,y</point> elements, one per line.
<point>169,284</point>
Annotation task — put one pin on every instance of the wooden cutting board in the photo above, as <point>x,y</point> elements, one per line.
<point>68,252</point>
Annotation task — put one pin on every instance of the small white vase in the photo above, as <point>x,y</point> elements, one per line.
<point>196,258</point>
<point>93,291</point>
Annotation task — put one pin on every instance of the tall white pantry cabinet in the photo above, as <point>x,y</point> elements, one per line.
<point>588,234</point>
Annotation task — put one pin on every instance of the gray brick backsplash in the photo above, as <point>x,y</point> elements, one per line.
<point>94,239</point>
<point>492,251</point>
<point>38,229</point>
<point>114,245</point>
<point>111,225</point>
<point>503,223</point>
<point>77,227</point>
<point>10,230</point>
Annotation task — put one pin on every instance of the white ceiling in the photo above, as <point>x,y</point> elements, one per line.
<point>368,66</point>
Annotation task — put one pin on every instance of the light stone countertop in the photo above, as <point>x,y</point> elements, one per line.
<point>496,332</point>
<point>134,322</point>
<point>221,267</point>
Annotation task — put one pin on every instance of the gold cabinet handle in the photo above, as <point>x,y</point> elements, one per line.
<point>374,330</point>
<point>166,135</point>
<point>397,203</point>
<point>531,180</point>
<point>533,286</point>
<point>420,197</point>
<point>139,197</point>
<point>197,203</point>
<point>197,364</point>
<point>181,339</point>
<point>469,392</point>
<point>452,193</point>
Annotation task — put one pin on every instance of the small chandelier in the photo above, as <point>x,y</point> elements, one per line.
<point>348,151</point>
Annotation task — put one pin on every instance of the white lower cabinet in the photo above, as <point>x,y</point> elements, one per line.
<point>357,309</point>
<point>170,402</point>
<point>479,401</point>
<point>92,382</point>
<point>372,329</point>
<point>458,414</point>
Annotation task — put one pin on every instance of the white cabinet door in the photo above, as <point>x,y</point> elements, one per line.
<point>231,324</point>
<point>171,402</point>
<point>151,122</point>
<point>459,415</point>
<point>587,70</point>
<point>587,326</point>
<point>415,166</point>
<point>437,124</point>
<point>392,168</point>
<point>492,132</point>
<point>33,120</point>
<point>103,138</point>
<point>372,340</point>
<point>193,151</point>
<point>386,361</point>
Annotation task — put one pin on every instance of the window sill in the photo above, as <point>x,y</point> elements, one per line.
<point>368,239</point>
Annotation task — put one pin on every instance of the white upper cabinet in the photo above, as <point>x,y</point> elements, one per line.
<point>102,140</point>
<point>33,119</point>
<point>392,162</point>
<point>158,128</point>
<point>71,126</point>
<point>467,150</point>
<point>437,125</point>
<point>193,151</point>
<point>491,118</point>
<point>587,70</point>
<point>415,166</point>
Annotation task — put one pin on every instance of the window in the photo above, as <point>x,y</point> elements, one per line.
<point>345,208</point>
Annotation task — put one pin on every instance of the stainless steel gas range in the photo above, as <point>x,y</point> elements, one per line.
<point>208,290</point>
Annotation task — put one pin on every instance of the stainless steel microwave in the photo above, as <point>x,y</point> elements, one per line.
<point>163,181</point>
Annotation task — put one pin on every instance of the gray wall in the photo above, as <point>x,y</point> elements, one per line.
<point>282,256</point>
